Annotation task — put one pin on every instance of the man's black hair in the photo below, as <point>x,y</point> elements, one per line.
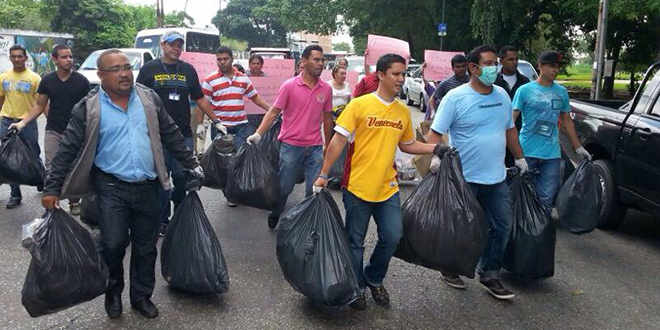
<point>458,59</point>
<point>385,62</point>
<point>308,50</point>
<point>257,57</point>
<point>506,49</point>
<point>224,50</point>
<point>18,47</point>
<point>57,48</point>
<point>475,54</point>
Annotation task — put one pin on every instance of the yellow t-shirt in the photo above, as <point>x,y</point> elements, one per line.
<point>375,128</point>
<point>20,92</point>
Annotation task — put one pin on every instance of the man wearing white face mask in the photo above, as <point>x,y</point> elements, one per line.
<point>478,118</point>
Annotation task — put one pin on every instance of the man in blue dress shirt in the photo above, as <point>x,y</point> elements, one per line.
<point>114,146</point>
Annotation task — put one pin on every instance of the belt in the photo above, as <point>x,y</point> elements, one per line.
<point>111,177</point>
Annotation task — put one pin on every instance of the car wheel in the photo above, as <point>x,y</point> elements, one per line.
<point>422,104</point>
<point>611,211</point>
<point>410,101</point>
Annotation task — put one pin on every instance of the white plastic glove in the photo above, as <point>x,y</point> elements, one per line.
<point>316,189</point>
<point>435,164</point>
<point>583,153</point>
<point>521,163</point>
<point>201,131</point>
<point>221,128</point>
<point>254,138</point>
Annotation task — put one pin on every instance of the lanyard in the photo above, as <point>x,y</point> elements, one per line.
<point>176,72</point>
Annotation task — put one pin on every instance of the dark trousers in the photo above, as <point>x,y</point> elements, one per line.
<point>129,214</point>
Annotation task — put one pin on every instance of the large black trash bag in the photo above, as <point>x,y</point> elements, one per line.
<point>578,201</point>
<point>191,257</point>
<point>530,253</point>
<point>313,253</point>
<point>443,224</point>
<point>252,180</point>
<point>66,268</point>
<point>19,163</point>
<point>89,210</point>
<point>270,145</point>
<point>216,161</point>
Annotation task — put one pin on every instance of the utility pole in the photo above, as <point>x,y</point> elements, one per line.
<point>442,39</point>
<point>600,51</point>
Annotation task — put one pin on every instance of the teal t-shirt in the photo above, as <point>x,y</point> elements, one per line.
<point>540,107</point>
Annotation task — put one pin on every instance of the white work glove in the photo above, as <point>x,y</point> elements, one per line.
<point>316,189</point>
<point>17,125</point>
<point>221,128</point>
<point>435,164</point>
<point>581,151</point>
<point>521,163</point>
<point>201,131</point>
<point>195,179</point>
<point>254,138</point>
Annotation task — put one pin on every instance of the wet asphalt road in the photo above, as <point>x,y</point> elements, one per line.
<point>603,280</point>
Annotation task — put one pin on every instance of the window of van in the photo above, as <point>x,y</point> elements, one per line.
<point>201,43</point>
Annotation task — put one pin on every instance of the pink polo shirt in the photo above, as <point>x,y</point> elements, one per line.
<point>302,110</point>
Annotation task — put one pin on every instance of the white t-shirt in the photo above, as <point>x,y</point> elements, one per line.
<point>340,96</point>
<point>510,79</point>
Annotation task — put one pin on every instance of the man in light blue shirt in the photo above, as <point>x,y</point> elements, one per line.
<point>545,107</point>
<point>477,116</point>
<point>113,146</point>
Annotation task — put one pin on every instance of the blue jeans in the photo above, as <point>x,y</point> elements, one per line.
<point>30,135</point>
<point>240,133</point>
<point>387,215</point>
<point>546,179</point>
<point>176,171</point>
<point>291,159</point>
<point>495,199</point>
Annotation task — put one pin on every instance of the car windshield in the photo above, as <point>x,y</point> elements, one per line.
<point>90,62</point>
<point>149,42</point>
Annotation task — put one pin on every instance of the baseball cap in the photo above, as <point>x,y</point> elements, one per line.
<point>550,57</point>
<point>171,37</point>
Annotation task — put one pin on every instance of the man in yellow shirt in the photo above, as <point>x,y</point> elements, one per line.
<point>375,124</point>
<point>17,96</point>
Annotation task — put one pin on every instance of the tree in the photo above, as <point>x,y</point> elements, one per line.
<point>341,47</point>
<point>23,14</point>
<point>247,20</point>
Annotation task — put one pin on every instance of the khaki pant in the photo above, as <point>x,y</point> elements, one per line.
<point>52,142</point>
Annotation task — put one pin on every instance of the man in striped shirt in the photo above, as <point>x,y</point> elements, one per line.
<point>225,89</point>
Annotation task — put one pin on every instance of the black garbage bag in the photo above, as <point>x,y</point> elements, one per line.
<point>270,145</point>
<point>443,223</point>
<point>530,253</point>
<point>216,161</point>
<point>578,201</point>
<point>66,268</point>
<point>313,253</point>
<point>191,257</point>
<point>252,180</point>
<point>89,210</point>
<point>19,163</point>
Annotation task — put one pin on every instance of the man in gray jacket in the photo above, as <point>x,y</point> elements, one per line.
<point>113,146</point>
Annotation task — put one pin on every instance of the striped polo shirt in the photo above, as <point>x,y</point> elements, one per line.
<point>226,96</point>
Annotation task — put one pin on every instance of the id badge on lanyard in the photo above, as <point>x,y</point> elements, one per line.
<point>174,96</point>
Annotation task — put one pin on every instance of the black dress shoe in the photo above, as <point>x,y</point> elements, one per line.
<point>146,308</point>
<point>272,221</point>
<point>13,202</point>
<point>113,305</point>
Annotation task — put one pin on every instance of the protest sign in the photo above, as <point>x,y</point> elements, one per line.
<point>380,45</point>
<point>438,64</point>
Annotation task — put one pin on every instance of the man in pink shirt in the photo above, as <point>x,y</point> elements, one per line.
<point>305,102</point>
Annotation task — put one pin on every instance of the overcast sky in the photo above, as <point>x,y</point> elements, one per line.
<point>203,11</point>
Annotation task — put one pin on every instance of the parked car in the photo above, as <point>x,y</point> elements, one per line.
<point>136,56</point>
<point>624,140</point>
<point>413,89</point>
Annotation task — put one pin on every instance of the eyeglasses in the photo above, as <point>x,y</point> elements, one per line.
<point>118,68</point>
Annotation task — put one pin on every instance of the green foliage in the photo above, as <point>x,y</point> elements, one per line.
<point>305,15</point>
<point>341,47</point>
<point>233,44</point>
<point>252,21</point>
<point>23,14</point>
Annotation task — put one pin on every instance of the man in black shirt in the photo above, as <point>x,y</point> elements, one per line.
<point>176,82</point>
<point>510,79</point>
<point>62,89</point>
